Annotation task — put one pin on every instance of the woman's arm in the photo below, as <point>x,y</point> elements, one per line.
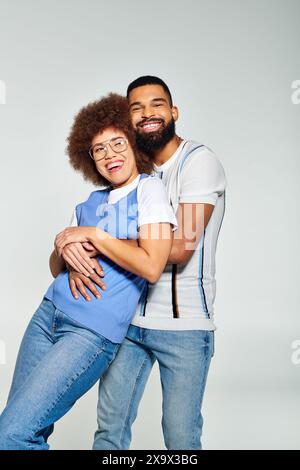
<point>80,257</point>
<point>147,260</point>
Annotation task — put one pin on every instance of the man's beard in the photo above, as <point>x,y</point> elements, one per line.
<point>151,142</point>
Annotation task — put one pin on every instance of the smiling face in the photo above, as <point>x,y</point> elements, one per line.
<point>152,116</point>
<point>118,167</point>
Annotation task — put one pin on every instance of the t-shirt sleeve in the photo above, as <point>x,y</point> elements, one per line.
<point>153,203</point>
<point>202,178</point>
<point>74,221</point>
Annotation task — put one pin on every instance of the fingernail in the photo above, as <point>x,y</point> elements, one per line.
<point>101,273</point>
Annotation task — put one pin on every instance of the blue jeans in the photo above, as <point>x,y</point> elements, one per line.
<point>59,360</point>
<point>183,358</point>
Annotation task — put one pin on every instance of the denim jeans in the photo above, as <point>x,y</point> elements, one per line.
<point>59,360</point>
<point>183,358</point>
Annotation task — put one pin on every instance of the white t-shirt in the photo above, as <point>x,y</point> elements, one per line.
<point>183,297</point>
<point>153,202</point>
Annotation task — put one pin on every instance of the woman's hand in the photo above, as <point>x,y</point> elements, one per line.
<point>71,235</point>
<point>90,249</point>
<point>79,258</point>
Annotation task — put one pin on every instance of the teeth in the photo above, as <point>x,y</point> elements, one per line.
<point>114,165</point>
<point>151,125</point>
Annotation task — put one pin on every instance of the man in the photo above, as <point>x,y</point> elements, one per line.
<point>173,323</point>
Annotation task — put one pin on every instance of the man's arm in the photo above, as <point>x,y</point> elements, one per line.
<point>192,220</point>
<point>56,263</point>
<point>202,180</point>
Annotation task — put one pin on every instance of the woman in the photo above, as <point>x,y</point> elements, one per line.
<point>70,343</point>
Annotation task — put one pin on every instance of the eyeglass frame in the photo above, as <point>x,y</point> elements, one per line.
<point>105,143</point>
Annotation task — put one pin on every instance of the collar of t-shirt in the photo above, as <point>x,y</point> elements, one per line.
<point>165,166</point>
<point>116,194</point>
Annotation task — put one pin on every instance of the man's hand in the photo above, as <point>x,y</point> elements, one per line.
<point>78,283</point>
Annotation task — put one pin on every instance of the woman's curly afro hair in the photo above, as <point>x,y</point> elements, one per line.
<point>110,111</point>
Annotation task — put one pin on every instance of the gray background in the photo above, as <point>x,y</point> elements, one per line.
<point>230,65</point>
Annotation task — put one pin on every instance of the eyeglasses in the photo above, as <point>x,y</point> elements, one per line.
<point>99,151</point>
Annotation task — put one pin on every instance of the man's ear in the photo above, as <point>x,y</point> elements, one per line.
<point>175,113</point>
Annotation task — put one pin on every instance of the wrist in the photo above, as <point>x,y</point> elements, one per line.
<point>58,256</point>
<point>96,235</point>
<point>91,234</point>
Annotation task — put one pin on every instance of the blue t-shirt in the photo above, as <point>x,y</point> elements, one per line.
<point>111,314</point>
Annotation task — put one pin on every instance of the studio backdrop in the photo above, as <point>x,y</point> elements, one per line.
<point>233,68</point>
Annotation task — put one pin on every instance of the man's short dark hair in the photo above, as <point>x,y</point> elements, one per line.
<point>149,80</point>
